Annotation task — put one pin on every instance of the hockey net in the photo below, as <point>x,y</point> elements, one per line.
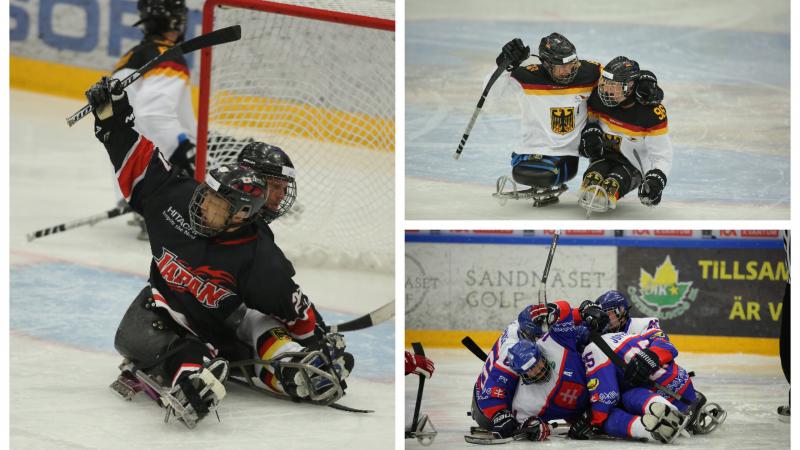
<point>315,78</point>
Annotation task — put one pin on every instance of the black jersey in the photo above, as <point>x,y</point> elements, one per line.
<point>203,281</point>
<point>639,132</point>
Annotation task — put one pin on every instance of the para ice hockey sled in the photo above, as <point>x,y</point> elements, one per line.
<point>540,196</point>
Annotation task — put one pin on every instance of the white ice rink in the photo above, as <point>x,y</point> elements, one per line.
<point>749,387</point>
<point>69,291</point>
<point>723,65</point>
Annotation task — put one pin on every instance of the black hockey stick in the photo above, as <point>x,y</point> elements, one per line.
<point>380,315</point>
<point>474,348</point>
<point>543,284</point>
<point>492,79</point>
<point>216,37</point>
<point>419,351</point>
<point>91,220</point>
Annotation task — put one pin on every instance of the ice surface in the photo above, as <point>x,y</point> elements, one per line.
<point>724,68</point>
<point>68,292</point>
<point>749,387</point>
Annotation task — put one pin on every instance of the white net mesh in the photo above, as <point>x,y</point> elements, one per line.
<point>324,92</point>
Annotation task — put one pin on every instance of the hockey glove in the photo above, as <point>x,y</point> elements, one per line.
<point>583,428</point>
<point>514,52</point>
<point>652,187</point>
<point>595,318</point>
<point>111,107</point>
<point>591,145</point>
<point>535,429</point>
<point>183,158</point>
<point>503,423</point>
<point>647,90</point>
<point>641,367</point>
<point>419,365</point>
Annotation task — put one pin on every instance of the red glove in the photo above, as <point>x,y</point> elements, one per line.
<point>419,365</point>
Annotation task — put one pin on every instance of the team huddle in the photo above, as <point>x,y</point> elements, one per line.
<point>605,373</point>
<point>571,108</point>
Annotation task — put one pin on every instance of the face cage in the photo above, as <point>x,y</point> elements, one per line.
<point>621,314</point>
<point>543,377</point>
<point>576,64</point>
<point>610,99</point>
<point>290,195</point>
<point>196,217</point>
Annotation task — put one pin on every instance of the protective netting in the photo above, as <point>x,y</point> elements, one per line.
<point>324,92</point>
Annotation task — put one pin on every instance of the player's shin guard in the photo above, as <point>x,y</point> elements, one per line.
<point>665,423</point>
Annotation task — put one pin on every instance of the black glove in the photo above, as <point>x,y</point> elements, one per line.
<point>595,318</point>
<point>514,52</point>
<point>534,429</point>
<point>504,424</point>
<point>582,428</point>
<point>647,90</point>
<point>111,107</point>
<point>183,158</point>
<point>591,145</point>
<point>641,367</point>
<point>652,187</point>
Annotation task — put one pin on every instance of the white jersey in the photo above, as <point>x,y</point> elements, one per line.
<point>552,115</point>
<point>162,98</point>
<point>640,133</point>
<point>644,326</point>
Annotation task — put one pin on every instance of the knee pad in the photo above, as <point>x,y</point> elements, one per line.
<point>143,333</point>
<point>543,171</point>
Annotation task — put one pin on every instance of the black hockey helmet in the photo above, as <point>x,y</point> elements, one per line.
<point>272,163</point>
<point>617,81</point>
<point>232,195</point>
<point>159,16</point>
<point>556,50</point>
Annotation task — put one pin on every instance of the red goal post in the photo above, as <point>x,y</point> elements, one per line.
<point>315,77</point>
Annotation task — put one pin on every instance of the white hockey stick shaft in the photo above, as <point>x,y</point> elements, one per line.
<point>543,284</point>
<point>380,315</point>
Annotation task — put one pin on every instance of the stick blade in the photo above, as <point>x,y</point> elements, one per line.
<point>216,37</point>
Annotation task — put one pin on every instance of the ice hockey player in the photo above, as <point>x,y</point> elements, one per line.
<point>617,306</point>
<point>423,430</point>
<point>625,404</point>
<point>218,290</point>
<point>552,96</point>
<point>626,139</point>
<point>524,384</point>
<point>162,99</point>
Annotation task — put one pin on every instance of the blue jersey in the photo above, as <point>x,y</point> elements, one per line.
<point>497,384</point>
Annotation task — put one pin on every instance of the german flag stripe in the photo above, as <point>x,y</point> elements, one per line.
<point>630,129</point>
<point>169,69</point>
<point>272,346</point>
<point>135,166</point>
<point>552,89</point>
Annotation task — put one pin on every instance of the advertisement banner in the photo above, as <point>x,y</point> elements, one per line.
<point>484,286</point>
<point>696,291</point>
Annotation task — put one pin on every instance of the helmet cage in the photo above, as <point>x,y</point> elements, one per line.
<point>542,377</point>
<point>289,196</point>
<point>572,61</point>
<point>556,50</point>
<point>216,203</point>
<point>613,93</point>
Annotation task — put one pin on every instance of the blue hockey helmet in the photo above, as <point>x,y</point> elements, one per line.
<point>528,328</point>
<point>618,303</point>
<point>526,357</point>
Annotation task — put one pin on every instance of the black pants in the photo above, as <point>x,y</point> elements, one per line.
<point>628,176</point>
<point>785,340</point>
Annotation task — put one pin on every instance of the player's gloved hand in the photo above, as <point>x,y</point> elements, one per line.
<point>647,90</point>
<point>544,314</point>
<point>595,318</point>
<point>535,429</point>
<point>183,157</point>
<point>514,52</point>
<point>419,365</point>
<point>504,424</point>
<point>591,145</point>
<point>111,107</point>
<point>641,367</point>
<point>652,187</point>
<point>583,428</point>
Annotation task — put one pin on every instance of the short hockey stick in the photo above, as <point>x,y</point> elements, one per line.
<point>474,348</point>
<point>91,220</point>
<point>216,37</point>
<point>419,351</point>
<point>380,315</point>
<point>543,284</point>
<point>492,79</point>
